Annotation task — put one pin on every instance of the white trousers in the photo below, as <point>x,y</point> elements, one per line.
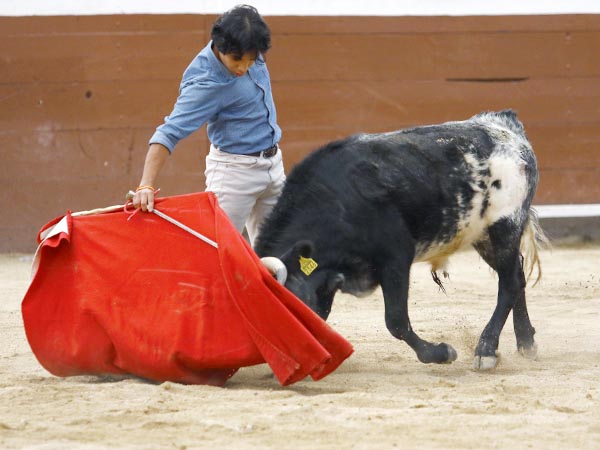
<point>247,187</point>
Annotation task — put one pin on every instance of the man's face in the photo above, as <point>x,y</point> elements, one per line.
<point>237,65</point>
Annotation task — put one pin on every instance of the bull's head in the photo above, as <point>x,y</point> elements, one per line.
<point>313,284</point>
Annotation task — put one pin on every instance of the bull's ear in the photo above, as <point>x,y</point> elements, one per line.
<point>304,249</point>
<point>291,258</point>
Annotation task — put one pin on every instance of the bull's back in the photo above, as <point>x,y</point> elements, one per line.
<point>445,182</point>
<point>429,175</point>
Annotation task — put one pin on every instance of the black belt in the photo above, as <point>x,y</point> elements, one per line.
<point>267,153</point>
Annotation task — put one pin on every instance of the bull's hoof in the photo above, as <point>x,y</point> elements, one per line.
<point>529,352</point>
<point>452,355</point>
<point>485,363</point>
<point>437,354</point>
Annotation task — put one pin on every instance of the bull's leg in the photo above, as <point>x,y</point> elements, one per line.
<point>524,331</point>
<point>394,279</point>
<point>502,254</point>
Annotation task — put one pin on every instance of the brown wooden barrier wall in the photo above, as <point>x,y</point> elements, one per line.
<point>80,96</point>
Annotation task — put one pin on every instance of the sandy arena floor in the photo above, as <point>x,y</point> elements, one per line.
<point>380,398</point>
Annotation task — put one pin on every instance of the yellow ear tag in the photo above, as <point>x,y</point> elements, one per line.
<point>307,265</point>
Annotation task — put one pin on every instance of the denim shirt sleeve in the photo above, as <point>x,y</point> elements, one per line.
<point>198,101</point>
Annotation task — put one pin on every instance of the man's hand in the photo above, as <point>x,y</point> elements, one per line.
<point>144,198</point>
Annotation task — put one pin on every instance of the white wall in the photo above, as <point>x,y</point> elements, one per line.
<point>301,7</point>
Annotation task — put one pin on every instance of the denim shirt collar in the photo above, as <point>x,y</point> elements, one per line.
<point>217,65</point>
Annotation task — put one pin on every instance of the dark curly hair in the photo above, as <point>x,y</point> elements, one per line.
<point>241,30</point>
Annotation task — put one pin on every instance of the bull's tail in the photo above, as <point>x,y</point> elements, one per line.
<point>532,241</point>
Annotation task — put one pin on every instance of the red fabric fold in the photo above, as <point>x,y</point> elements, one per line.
<point>144,297</point>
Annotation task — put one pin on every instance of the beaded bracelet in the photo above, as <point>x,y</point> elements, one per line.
<point>144,187</point>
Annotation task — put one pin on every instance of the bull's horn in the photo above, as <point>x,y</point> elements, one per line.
<point>276,267</point>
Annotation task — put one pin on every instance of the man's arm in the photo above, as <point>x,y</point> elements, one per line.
<point>155,159</point>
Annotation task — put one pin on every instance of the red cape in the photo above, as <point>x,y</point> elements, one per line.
<point>144,297</point>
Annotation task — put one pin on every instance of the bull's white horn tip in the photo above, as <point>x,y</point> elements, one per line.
<point>276,267</point>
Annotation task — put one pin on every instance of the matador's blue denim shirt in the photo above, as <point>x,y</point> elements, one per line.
<point>239,111</point>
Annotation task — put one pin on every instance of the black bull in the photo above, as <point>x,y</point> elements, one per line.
<point>366,207</point>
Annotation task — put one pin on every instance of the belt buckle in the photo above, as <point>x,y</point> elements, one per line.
<point>270,152</point>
